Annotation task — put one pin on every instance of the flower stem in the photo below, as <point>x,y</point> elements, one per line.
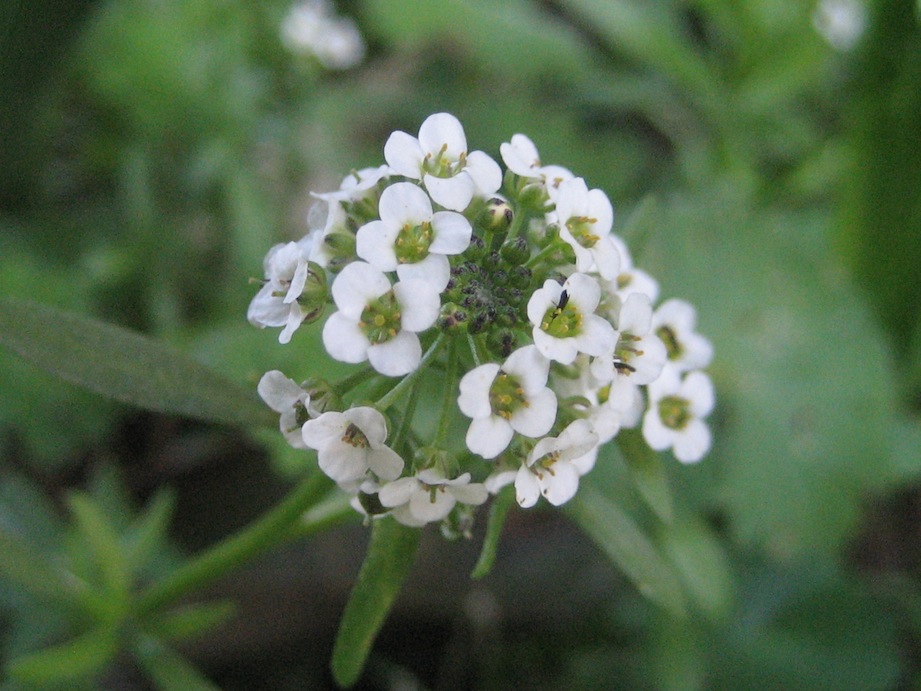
<point>236,550</point>
<point>406,382</point>
<point>447,403</point>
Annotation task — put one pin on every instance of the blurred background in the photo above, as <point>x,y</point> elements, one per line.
<point>152,151</point>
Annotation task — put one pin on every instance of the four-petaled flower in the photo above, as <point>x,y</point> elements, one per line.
<point>507,399</point>
<point>350,444</point>
<point>585,217</point>
<point>675,415</point>
<point>410,238</point>
<point>439,158</point>
<point>521,157</point>
<point>378,321</point>
<point>276,303</point>
<point>564,320</point>
<point>284,396</point>
<point>675,322</point>
<point>639,353</point>
<point>553,467</point>
<point>429,496</point>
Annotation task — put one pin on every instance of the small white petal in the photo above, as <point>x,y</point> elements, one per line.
<point>374,242</point>
<point>397,492</point>
<point>419,304</point>
<point>527,488</point>
<point>693,442</point>
<point>452,233</point>
<point>404,155</point>
<point>434,270</point>
<point>385,463</point>
<point>443,129</point>
<point>489,436</point>
<point>370,421</point>
<point>278,391</point>
<point>598,336</point>
<point>536,418</point>
<point>452,193</point>
<point>474,391</point>
<point>320,432</point>
<point>485,173</point>
<point>563,485</point>
<point>396,357</point>
<point>404,203</point>
<point>422,507</point>
<point>344,340</point>
<point>356,285</point>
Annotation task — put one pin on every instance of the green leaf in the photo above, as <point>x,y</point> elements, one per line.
<point>190,620</point>
<point>647,469</point>
<point>629,548</point>
<point>80,657</point>
<point>168,669</point>
<point>702,564</point>
<point>103,541</point>
<point>497,513</point>
<point>123,365</point>
<point>148,534</point>
<point>390,556</point>
<point>22,564</point>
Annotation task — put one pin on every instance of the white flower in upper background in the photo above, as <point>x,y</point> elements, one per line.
<point>410,238</point>
<point>355,186</point>
<point>284,396</point>
<point>564,320</point>
<point>429,496</point>
<point>553,467</point>
<point>507,399</point>
<point>639,354</point>
<point>675,415</point>
<point>350,444</point>
<point>585,217</point>
<point>630,279</point>
<point>379,322</point>
<point>675,323</point>
<point>521,157</point>
<point>841,22</point>
<point>276,303</point>
<point>440,159</point>
<point>312,27</point>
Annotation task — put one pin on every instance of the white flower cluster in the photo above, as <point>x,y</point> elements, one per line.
<point>508,291</point>
<point>313,28</point>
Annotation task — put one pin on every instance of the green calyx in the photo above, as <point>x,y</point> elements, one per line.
<point>672,345</point>
<point>581,229</point>
<point>674,412</point>
<point>506,395</point>
<point>412,243</point>
<point>442,167</point>
<point>381,319</point>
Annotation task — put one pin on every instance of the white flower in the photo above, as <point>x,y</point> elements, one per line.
<point>355,186</point>
<point>563,319</point>
<point>674,417</point>
<point>429,496</point>
<point>379,322</point>
<point>841,22</point>
<point>555,464</point>
<point>599,403</point>
<point>440,159</point>
<point>410,238</point>
<point>311,27</point>
<point>585,217</point>
<point>350,444</point>
<point>521,157</point>
<point>639,354</point>
<point>502,401</point>
<point>276,302</point>
<point>284,396</point>
<point>630,279</point>
<point>675,322</point>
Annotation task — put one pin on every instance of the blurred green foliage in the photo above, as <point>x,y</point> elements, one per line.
<point>151,153</point>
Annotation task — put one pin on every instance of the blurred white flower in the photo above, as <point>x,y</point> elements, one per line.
<point>313,28</point>
<point>840,22</point>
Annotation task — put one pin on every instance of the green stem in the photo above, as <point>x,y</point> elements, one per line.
<point>543,254</point>
<point>236,550</point>
<point>447,403</point>
<point>353,380</point>
<point>406,382</point>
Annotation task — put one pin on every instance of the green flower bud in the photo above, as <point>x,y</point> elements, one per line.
<point>515,251</point>
<point>497,215</point>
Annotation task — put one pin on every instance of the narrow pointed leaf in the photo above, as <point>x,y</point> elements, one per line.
<point>123,365</point>
<point>149,532</point>
<point>190,620</point>
<point>390,556</point>
<point>647,471</point>
<point>169,669</point>
<point>76,659</point>
<point>629,548</point>
<point>104,544</point>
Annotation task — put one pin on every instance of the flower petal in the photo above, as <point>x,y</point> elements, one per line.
<point>402,203</point>
<point>404,155</point>
<point>474,391</point>
<point>489,436</point>
<point>344,340</point>
<point>398,356</point>
<point>452,233</point>
<point>452,193</point>
<point>278,391</point>
<point>440,130</point>
<point>374,242</point>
